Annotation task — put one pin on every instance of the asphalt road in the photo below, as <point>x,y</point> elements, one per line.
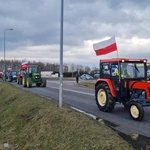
<point>83,98</point>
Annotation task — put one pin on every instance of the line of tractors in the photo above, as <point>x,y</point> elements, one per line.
<point>27,75</point>
<point>131,89</point>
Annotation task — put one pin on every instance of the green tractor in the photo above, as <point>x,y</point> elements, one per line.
<point>32,75</point>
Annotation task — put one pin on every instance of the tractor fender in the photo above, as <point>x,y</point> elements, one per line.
<point>109,83</point>
<point>141,85</point>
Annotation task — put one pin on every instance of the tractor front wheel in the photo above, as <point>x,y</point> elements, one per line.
<point>104,99</point>
<point>43,83</point>
<point>136,111</point>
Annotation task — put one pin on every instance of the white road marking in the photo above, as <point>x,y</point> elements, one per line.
<point>74,91</point>
<point>81,111</point>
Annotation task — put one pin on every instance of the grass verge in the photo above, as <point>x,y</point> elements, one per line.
<point>87,84</point>
<point>28,122</point>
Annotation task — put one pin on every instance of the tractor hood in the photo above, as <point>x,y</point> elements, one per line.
<point>36,75</point>
<point>141,85</point>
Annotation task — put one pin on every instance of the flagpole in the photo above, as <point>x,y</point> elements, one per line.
<point>118,66</point>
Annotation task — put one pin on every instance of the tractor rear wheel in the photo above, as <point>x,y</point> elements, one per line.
<point>29,83</point>
<point>104,99</point>
<point>136,111</point>
<point>24,81</point>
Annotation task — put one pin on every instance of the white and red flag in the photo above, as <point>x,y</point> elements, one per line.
<point>105,47</point>
<point>24,65</point>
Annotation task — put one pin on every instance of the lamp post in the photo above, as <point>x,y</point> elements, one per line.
<point>4,56</point>
<point>61,55</point>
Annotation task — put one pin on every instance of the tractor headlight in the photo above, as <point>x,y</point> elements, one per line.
<point>36,77</point>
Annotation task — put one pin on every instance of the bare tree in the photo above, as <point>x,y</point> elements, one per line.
<point>16,64</point>
<point>65,68</point>
<point>87,69</point>
<point>79,68</point>
<point>72,68</point>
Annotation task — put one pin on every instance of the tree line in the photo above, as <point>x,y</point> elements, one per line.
<point>67,68</point>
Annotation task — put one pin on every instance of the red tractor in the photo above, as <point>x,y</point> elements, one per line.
<point>19,76</point>
<point>128,87</point>
<point>21,71</point>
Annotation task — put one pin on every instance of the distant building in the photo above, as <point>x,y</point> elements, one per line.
<point>49,74</point>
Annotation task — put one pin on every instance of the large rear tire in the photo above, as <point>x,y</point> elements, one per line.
<point>24,81</point>
<point>136,111</point>
<point>104,99</point>
<point>29,83</point>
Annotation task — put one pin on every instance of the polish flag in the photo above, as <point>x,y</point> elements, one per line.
<point>105,47</point>
<point>24,65</point>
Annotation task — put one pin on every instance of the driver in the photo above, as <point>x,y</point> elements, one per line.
<point>124,71</point>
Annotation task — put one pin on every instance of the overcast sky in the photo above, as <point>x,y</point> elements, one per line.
<point>36,34</point>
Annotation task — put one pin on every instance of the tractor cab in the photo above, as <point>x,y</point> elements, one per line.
<point>123,80</point>
<point>33,71</point>
<point>12,75</point>
<point>121,71</point>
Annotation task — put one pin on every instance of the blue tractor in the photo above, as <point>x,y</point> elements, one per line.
<point>12,76</point>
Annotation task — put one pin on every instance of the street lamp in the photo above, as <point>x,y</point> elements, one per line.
<point>61,55</point>
<point>4,56</point>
